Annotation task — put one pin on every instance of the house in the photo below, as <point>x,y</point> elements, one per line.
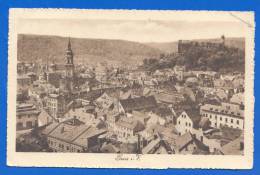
<point>235,147</point>
<point>72,136</point>
<point>179,72</point>
<point>127,128</point>
<point>141,116</point>
<point>83,114</point>
<point>26,116</point>
<point>45,118</point>
<point>192,81</point>
<point>187,120</point>
<point>187,144</point>
<point>168,98</point>
<point>167,113</point>
<point>157,146</point>
<point>155,119</point>
<point>221,94</point>
<point>125,94</point>
<point>56,105</point>
<point>226,114</point>
<point>238,98</point>
<point>109,148</point>
<point>112,118</point>
<point>137,104</point>
<point>167,133</point>
<point>104,101</point>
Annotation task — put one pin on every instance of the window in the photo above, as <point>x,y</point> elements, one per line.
<point>29,124</point>
<point>210,116</point>
<point>226,120</point>
<point>220,118</point>
<point>206,115</point>
<point>179,122</point>
<point>68,147</point>
<point>19,125</point>
<point>231,120</point>
<point>238,122</point>
<point>216,116</point>
<point>186,124</point>
<point>190,124</point>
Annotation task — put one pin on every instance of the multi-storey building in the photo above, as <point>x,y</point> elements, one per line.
<point>226,114</point>
<point>26,116</point>
<point>72,136</point>
<point>56,105</point>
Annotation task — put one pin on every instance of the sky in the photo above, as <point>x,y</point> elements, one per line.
<point>132,30</point>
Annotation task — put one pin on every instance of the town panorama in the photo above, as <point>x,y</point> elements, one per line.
<point>188,101</point>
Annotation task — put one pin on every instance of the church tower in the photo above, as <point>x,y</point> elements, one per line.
<point>69,67</point>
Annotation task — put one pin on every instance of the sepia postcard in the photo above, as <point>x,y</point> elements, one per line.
<point>130,89</point>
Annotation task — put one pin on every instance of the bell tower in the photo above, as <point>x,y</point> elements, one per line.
<point>69,67</point>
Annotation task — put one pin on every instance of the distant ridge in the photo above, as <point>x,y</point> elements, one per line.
<point>52,48</point>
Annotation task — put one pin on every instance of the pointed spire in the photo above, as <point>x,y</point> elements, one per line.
<point>69,44</point>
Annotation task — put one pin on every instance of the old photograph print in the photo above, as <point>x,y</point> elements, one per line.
<point>130,86</point>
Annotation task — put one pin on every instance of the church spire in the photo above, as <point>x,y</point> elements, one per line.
<point>69,53</point>
<point>69,44</point>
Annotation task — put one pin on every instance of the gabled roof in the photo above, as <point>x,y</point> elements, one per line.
<point>44,116</point>
<point>183,140</point>
<point>194,115</point>
<point>75,133</point>
<point>234,147</point>
<point>125,94</point>
<point>131,123</point>
<point>156,146</point>
<point>138,103</point>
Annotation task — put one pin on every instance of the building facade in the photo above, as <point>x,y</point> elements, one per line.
<point>226,114</point>
<point>56,105</point>
<point>26,116</point>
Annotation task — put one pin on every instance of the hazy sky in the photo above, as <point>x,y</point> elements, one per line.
<point>139,30</point>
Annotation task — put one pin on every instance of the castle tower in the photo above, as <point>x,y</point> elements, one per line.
<point>69,67</point>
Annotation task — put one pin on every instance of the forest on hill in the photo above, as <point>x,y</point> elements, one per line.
<point>223,59</point>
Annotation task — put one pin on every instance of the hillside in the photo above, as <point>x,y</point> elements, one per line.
<point>39,47</point>
<point>167,47</point>
<point>170,47</point>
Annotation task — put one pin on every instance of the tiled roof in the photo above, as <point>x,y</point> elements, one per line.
<point>218,109</point>
<point>75,134</point>
<point>138,103</point>
<point>91,132</point>
<point>131,123</point>
<point>183,140</point>
<point>233,147</point>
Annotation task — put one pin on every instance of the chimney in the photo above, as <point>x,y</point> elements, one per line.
<point>74,120</point>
